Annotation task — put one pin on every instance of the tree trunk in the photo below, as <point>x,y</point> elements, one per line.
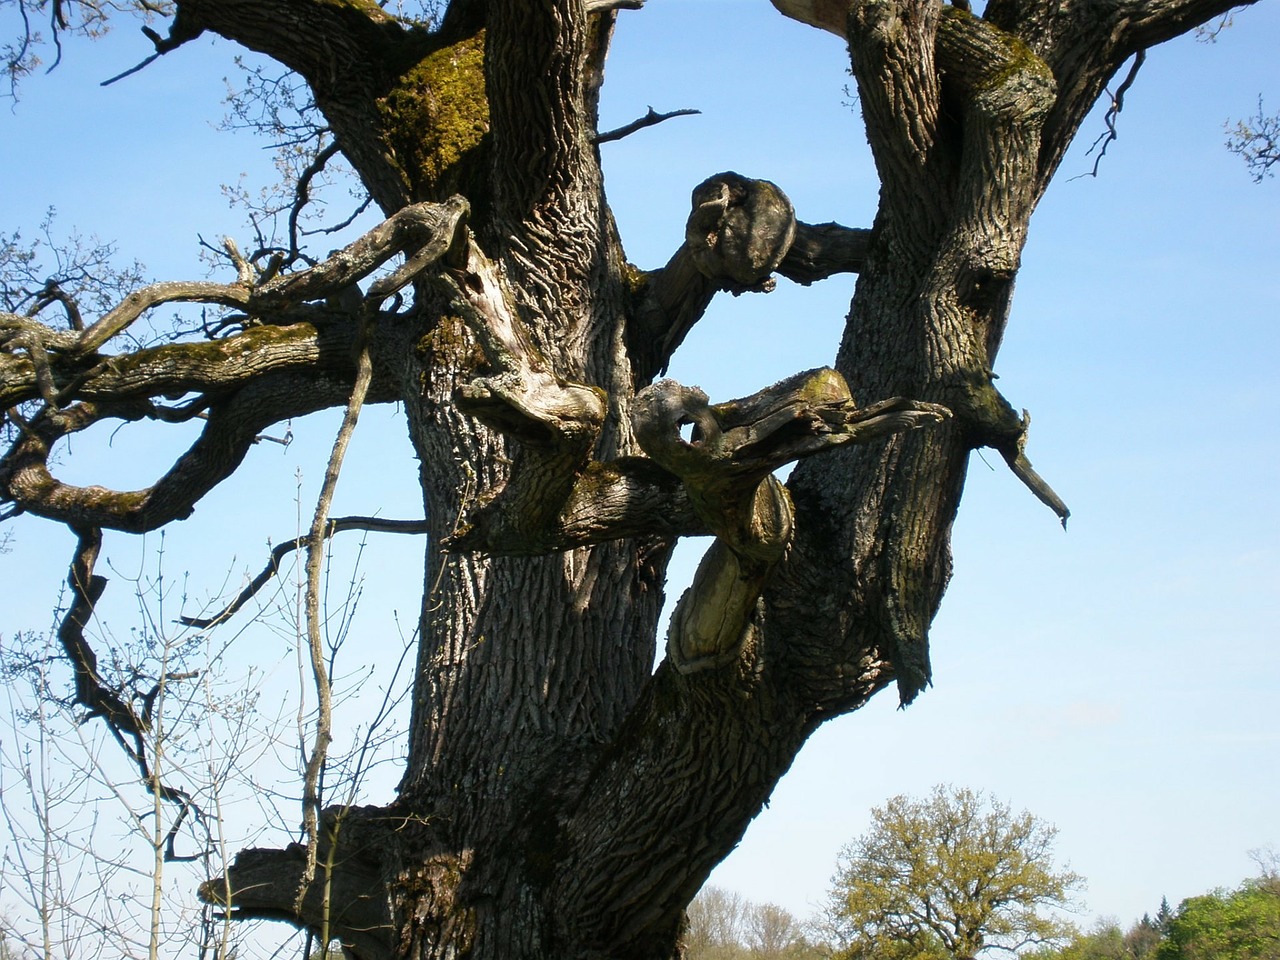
<point>563,799</point>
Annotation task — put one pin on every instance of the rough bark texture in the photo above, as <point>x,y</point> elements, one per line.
<point>562,799</point>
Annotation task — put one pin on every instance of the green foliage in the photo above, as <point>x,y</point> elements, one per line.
<point>1243,924</point>
<point>1107,942</point>
<point>949,876</point>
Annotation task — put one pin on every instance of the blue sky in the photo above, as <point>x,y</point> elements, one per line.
<point>1118,679</point>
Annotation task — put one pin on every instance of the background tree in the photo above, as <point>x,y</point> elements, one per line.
<point>561,797</point>
<point>1107,941</point>
<point>724,926</point>
<point>1240,924</point>
<point>958,870</point>
<point>1143,937</point>
<point>715,924</point>
<point>1104,942</point>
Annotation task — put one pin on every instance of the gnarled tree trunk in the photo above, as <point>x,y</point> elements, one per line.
<point>562,798</point>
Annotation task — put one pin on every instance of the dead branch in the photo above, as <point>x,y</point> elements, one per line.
<point>127,726</point>
<point>650,119</point>
<point>1110,135</point>
<point>279,552</point>
<point>604,6</point>
<point>311,781</point>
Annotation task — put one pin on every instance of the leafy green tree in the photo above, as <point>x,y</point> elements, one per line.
<point>1106,941</point>
<point>924,947</point>
<point>957,870</point>
<point>1227,925</point>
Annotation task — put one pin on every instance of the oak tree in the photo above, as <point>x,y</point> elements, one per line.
<point>562,797</point>
<point>958,871</point>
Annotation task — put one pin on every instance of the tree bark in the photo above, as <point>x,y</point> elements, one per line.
<point>562,798</point>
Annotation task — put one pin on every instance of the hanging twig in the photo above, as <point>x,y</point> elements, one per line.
<point>1117,104</point>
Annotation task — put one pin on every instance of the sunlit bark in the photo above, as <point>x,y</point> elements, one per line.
<point>562,797</point>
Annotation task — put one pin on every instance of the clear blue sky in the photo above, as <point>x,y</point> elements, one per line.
<point>1118,679</point>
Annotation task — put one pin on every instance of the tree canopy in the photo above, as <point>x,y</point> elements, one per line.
<point>956,874</point>
<point>1240,924</point>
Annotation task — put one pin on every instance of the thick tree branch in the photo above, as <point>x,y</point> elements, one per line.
<point>605,6</point>
<point>175,369</point>
<point>232,428</point>
<point>239,378</point>
<point>727,469</point>
<point>263,883</point>
<point>821,250</point>
<point>739,232</point>
<point>1151,22</point>
<point>628,498</point>
<point>424,232</point>
<point>829,15</point>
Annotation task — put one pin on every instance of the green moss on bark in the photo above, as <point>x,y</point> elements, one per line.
<point>437,118</point>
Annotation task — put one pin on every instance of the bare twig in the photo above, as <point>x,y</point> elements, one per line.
<point>375,524</point>
<point>1113,112</point>
<point>652,118</point>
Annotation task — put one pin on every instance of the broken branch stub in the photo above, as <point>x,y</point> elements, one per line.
<point>726,466</point>
<point>525,398</point>
<point>740,230</point>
